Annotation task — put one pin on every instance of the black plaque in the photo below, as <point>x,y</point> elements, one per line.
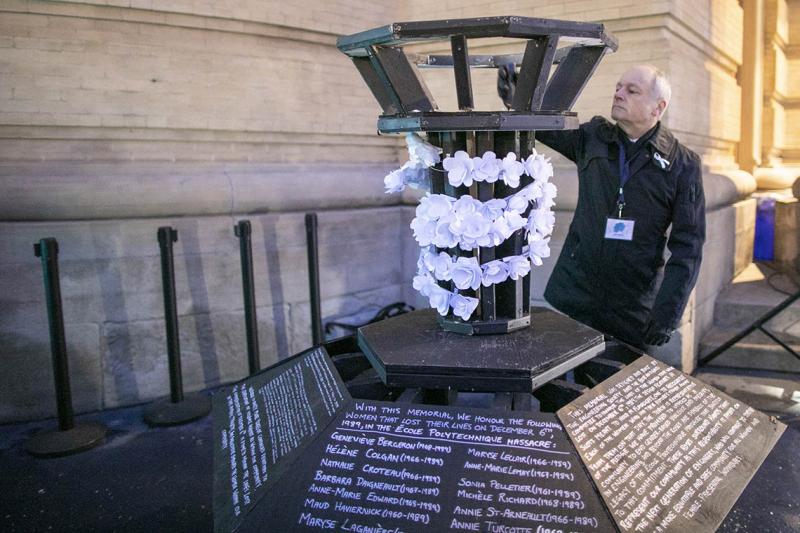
<point>293,451</point>
<point>412,350</point>
<point>384,467</point>
<point>667,452</point>
<point>262,423</point>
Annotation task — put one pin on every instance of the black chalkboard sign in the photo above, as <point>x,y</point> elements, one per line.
<point>263,423</point>
<point>667,452</point>
<point>387,467</point>
<point>294,452</point>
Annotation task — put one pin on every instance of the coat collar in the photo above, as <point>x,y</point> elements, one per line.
<point>662,142</point>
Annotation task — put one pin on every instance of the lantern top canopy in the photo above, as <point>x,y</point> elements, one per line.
<point>540,101</point>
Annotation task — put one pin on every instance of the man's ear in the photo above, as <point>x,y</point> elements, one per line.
<point>660,108</point>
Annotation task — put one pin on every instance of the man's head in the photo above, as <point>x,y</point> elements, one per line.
<point>641,97</point>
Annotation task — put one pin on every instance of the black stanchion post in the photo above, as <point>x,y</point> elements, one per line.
<point>167,236</point>
<point>313,278</point>
<point>69,438</point>
<point>243,231</point>
<point>179,409</point>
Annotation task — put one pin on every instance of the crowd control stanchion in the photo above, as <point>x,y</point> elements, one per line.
<point>313,278</point>
<point>70,438</point>
<point>178,409</point>
<point>243,231</point>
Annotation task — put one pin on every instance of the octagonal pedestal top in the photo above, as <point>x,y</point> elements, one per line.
<point>412,350</point>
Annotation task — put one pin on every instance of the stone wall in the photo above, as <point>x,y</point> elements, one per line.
<point>119,117</point>
<point>113,307</point>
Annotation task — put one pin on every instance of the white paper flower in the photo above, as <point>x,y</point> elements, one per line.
<point>415,174</point>
<point>515,220</point>
<point>439,299</point>
<point>541,220</point>
<point>423,283</point>
<point>434,206</point>
<point>393,182</point>
<point>486,168</point>
<point>520,201</point>
<point>475,226</point>
<point>463,306</point>
<point>494,272</point>
<point>512,170</point>
<point>465,205</point>
<point>518,266</point>
<point>422,152</point>
<point>442,264</point>
<point>459,169</point>
<point>424,230</point>
<point>466,273</point>
<point>443,237</point>
<point>426,259</point>
<point>538,248</point>
<point>422,265</point>
<point>538,167</point>
<point>500,231</point>
<point>492,209</point>
<point>549,192</point>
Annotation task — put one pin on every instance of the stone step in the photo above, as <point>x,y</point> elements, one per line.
<point>756,351</point>
<point>750,295</point>
<point>774,393</point>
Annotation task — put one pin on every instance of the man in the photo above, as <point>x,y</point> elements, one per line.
<point>634,182</point>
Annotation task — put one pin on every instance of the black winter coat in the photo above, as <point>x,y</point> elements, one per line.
<point>611,284</point>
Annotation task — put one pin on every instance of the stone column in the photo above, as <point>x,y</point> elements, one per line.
<point>751,81</point>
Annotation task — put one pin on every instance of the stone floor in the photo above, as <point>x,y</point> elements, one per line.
<point>161,479</point>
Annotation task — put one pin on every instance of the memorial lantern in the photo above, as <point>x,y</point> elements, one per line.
<point>487,213</point>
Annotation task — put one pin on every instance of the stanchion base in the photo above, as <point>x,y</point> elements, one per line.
<point>167,413</point>
<point>58,443</point>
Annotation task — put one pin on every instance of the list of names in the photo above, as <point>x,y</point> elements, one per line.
<point>385,467</point>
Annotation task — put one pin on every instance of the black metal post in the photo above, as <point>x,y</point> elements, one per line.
<point>313,278</point>
<point>167,236</point>
<point>243,231</point>
<point>47,250</point>
<point>69,438</point>
<point>179,409</point>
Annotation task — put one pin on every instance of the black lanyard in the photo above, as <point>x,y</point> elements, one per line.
<point>624,176</point>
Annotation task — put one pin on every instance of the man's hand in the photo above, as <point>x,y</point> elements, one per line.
<point>506,83</point>
<point>657,335</point>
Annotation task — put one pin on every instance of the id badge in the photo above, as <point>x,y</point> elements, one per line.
<point>619,228</point>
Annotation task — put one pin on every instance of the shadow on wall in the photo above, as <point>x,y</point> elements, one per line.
<point>201,307</point>
<point>116,347</point>
<point>273,268</point>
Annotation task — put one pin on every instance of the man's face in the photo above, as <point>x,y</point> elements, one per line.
<point>634,102</point>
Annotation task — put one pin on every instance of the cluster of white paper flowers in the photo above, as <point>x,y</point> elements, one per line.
<point>467,223</point>
<point>446,222</point>
<point>414,172</point>
<point>464,170</point>
<point>466,273</point>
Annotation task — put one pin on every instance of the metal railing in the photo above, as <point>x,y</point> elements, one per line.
<point>758,324</point>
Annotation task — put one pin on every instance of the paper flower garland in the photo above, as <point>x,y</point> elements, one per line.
<point>446,222</point>
<point>414,172</point>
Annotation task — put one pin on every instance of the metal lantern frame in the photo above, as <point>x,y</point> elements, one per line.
<point>549,82</point>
